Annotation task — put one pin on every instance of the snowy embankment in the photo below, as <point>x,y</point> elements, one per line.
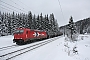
<point>6,40</point>
<point>54,50</point>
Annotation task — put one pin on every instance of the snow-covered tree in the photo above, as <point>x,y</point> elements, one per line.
<point>3,26</point>
<point>33,22</point>
<point>6,24</point>
<point>24,20</point>
<point>9,24</point>
<point>46,23</point>
<point>29,24</point>
<point>21,20</point>
<point>0,23</point>
<point>13,23</point>
<point>37,22</point>
<point>41,22</point>
<point>72,30</point>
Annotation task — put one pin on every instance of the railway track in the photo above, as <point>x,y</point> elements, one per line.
<point>8,47</point>
<point>16,53</point>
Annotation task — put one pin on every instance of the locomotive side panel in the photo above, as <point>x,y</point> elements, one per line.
<point>39,34</point>
<point>23,35</point>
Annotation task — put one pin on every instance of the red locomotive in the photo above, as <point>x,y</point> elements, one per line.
<point>23,35</point>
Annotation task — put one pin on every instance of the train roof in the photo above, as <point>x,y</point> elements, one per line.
<point>31,29</point>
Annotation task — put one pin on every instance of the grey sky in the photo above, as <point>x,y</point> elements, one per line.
<point>79,9</point>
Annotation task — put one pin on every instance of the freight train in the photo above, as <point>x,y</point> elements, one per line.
<point>24,35</point>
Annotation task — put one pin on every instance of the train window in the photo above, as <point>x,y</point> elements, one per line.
<point>19,31</point>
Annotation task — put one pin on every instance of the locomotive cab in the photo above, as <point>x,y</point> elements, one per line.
<point>20,35</point>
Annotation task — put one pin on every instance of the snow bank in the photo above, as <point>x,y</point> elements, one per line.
<point>6,40</point>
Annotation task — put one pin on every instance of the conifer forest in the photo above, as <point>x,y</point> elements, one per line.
<point>10,21</point>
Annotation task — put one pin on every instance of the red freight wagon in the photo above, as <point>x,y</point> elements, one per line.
<point>23,35</point>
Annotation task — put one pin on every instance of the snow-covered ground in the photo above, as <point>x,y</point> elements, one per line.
<point>6,40</point>
<point>55,50</point>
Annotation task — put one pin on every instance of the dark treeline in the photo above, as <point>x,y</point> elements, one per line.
<point>82,26</point>
<point>10,21</point>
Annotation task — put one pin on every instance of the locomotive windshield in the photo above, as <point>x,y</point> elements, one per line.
<point>19,31</point>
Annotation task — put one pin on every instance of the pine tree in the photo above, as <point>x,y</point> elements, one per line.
<point>21,20</point>
<point>24,20</point>
<point>13,23</point>
<point>37,22</point>
<point>41,22</point>
<point>56,28</point>
<point>9,24</point>
<point>71,27</point>
<point>3,24</point>
<point>29,20</point>
<point>6,24</point>
<point>0,22</point>
<point>51,24</point>
<point>34,22</point>
<point>18,20</point>
<point>46,23</point>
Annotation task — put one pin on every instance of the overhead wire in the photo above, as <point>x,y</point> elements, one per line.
<point>61,8</point>
<point>25,4</point>
<point>12,6</point>
<point>8,10</point>
<point>5,8</point>
<point>62,16</point>
<point>18,4</point>
<point>8,7</point>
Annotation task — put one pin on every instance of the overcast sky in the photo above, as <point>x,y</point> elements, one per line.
<point>79,9</point>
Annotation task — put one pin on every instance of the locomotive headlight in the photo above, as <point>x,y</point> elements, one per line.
<point>17,38</point>
<point>20,38</point>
